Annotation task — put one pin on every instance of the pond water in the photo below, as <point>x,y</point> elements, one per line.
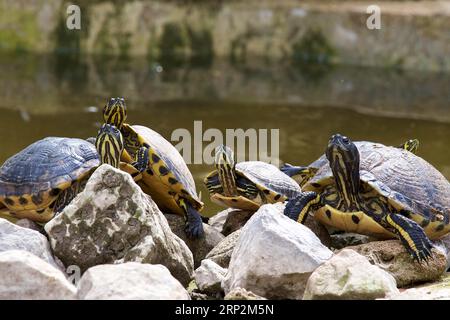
<point>41,98</point>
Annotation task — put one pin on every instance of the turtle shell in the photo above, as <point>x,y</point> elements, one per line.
<point>270,181</point>
<point>267,176</point>
<point>33,178</point>
<point>407,180</point>
<point>167,176</point>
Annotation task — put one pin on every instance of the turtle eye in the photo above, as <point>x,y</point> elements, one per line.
<point>346,140</point>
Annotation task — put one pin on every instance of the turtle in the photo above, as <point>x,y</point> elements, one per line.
<point>40,180</point>
<point>377,190</point>
<point>303,174</point>
<point>158,168</point>
<point>247,185</point>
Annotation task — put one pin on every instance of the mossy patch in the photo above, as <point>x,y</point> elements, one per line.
<point>180,44</point>
<point>313,47</point>
<point>22,33</point>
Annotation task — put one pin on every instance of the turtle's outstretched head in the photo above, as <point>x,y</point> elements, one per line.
<point>342,149</point>
<point>115,112</point>
<point>109,144</point>
<point>224,156</point>
<point>225,168</point>
<point>343,156</point>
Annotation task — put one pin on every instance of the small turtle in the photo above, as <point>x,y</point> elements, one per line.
<point>247,185</point>
<point>388,192</point>
<point>158,168</point>
<point>43,178</point>
<point>303,174</point>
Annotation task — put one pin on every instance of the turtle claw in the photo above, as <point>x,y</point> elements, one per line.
<point>412,236</point>
<point>426,254</point>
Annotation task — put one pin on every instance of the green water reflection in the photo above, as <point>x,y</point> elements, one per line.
<point>40,98</point>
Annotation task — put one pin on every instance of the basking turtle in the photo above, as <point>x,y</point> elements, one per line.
<point>303,174</point>
<point>43,178</point>
<point>164,174</point>
<point>247,185</point>
<point>387,192</point>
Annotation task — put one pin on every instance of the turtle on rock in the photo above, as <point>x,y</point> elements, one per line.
<point>303,174</point>
<point>382,191</point>
<point>43,178</point>
<point>247,185</point>
<point>158,167</point>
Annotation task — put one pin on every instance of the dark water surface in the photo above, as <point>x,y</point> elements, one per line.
<point>41,98</point>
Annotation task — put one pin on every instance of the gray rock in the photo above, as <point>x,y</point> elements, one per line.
<point>319,230</point>
<point>242,294</point>
<point>113,221</point>
<point>350,276</point>
<point>24,276</point>
<point>199,247</point>
<point>130,281</point>
<point>14,237</point>
<point>221,254</point>
<point>219,219</point>
<point>342,240</point>
<point>236,219</point>
<point>29,224</point>
<point>274,256</point>
<point>439,290</point>
<point>209,276</point>
<point>391,256</point>
<point>443,245</point>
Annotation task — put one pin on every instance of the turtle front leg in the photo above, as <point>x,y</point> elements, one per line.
<point>297,208</point>
<point>194,223</point>
<point>411,235</point>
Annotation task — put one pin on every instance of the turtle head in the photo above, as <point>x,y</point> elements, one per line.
<point>343,156</point>
<point>411,145</point>
<point>224,156</point>
<point>115,112</point>
<point>225,164</point>
<point>109,144</point>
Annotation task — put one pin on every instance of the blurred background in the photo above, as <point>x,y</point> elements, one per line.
<point>307,68</point>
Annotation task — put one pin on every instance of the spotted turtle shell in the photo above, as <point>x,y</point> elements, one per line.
<point>162,191</point>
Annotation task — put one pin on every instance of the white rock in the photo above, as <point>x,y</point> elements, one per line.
<point>274,256</point>
<point>349,275</point>
<point>13,237</point>
<point>23,276</point>
<point>130,281</point>
<point>209,276</point>
<point>113,221</point>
